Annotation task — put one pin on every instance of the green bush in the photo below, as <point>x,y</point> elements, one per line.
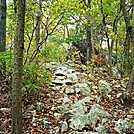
<point>35,76</point>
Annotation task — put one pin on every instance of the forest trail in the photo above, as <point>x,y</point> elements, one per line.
<point>77,101</point>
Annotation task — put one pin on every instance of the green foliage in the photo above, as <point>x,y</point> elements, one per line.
<point>8,58</point>
<point>72,27</point>
<point>10,23</point>
<point>75,37</point>
<point>76,56</point>
<point>35,76</point>
<point>53,52</point>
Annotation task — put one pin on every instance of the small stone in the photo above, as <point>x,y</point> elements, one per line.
<point>57,114</point>
<point>69,91</point>
<point>99,129</point>
<point>78,123</point>
<point>68,82</point>
<point>56,88</point>
<point>130,116</point>
<point>70,71</point>
<point>104,121</point>
<point>57,100</point>
<point>63,108</point>
<point>64,126</point>
<point>66,99</point>
<point>46,123</point>
<point>60,77</point>
<point>5,110</point>
<point>34,120</point>
<point>58,82</point>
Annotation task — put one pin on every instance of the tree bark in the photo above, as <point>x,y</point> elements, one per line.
<point>110,46</point>
<point>2,35</point>
<point>88,33</point>
<point>128,96</point>
<point>129,30</point>
<point>38,25</point>
<point>18,69</point>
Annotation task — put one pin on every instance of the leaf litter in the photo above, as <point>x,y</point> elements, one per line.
<point>40,108</point>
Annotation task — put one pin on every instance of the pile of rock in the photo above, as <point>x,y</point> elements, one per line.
<point>79,114</point>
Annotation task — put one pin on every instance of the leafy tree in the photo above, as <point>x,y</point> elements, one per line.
<point>49,22</point>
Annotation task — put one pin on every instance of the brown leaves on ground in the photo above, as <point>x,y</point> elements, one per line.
<point>33,119</point>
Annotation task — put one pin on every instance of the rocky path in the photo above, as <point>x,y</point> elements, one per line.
<point>81,105</point>
<point>77,101</point>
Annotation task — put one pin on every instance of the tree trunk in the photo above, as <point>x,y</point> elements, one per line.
<point>38,25</point>
<point>18,66</point>
<point>129,31</point>
<point>110,49</point>
<point>2,35</point>
<point>128,96</point>
<point>110,46</point>
<point>88,34</point>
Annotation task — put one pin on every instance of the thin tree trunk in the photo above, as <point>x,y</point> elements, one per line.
<point>129,31</point>
<point>18,69</point>
<point>110,47</point>
<point>128,95</point>
<point>88,33</point>
<point>38,25</point>
<point>2,36</point>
